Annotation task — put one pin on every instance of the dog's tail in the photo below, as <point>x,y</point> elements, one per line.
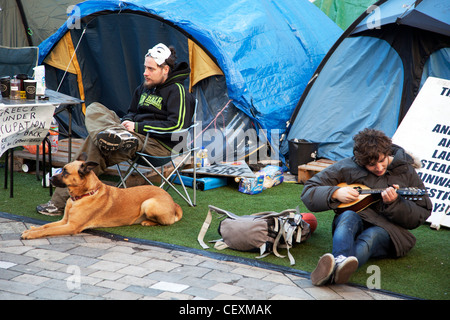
<point>178,212</point>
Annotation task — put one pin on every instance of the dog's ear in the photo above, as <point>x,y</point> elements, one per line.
<point>82,157</point>
<point>87,167</point>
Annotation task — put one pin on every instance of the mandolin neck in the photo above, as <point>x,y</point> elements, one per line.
<point>371,191</point>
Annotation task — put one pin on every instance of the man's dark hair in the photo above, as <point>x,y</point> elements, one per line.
<point>170,61</point>
<point>369,144</point>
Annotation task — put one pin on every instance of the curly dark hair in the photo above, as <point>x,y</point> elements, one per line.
<point>170,61</point>
<point>369,144</point>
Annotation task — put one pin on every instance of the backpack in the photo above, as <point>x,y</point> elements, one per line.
<point>265,232</point>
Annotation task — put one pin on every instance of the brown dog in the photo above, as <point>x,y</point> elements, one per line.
<point>93,204</point>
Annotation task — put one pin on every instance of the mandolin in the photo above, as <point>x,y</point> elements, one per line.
<point>368,196</point>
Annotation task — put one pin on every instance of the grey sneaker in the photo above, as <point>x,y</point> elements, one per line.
<point>49,209</point>
<point>112,140</point>
<point>324,270</point>
<point>345,266</point>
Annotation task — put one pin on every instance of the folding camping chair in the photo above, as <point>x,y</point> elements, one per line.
<point>153,162</point>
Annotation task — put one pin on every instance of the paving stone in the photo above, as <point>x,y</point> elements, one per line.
<point>12,227</point>
<point>251,272</point>
<point>174,296</point>
<point>122,295</point>
<point>61,247</point>
<point>77,260</point>
<point>225,288</point>
<point>132,280</point>
<point>43,254</point>
<point>135,271</point>
<point>198,282</point>
<point>169,286</point>
<point>18,249</point>
<point>25,268</point>
<point>278,278</point>
<point>106,275</point>
<point>108,265</point>
<point>60,284</point>
<point>6,264</point>
<point>10,243</point>
<point>47,265</point>
<point>291,291</point>
<point>51,294</point>
<point>92,290</point>
<point>112,285</point>
<point>86,251</point>
<point>35,242</point>
<point>17,287</point>
<point>12,296</point>
<point>322,293</point>
<point>253,294</point>
<point>259,285</point>
<point>227,297</point>
<point>30,279</point>
<point>144,291</point>
<point>16,258</point>
<point>119,256</point>
<point>191,271</point>
<point>201,293</point>
<point>160,265</point>
<point>225,277</point>
<point>164,276</point>
<point>8,274</point>
<point>52,274</point>
<point>85,297</point>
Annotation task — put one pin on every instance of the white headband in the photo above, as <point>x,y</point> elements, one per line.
<point>159,53</point>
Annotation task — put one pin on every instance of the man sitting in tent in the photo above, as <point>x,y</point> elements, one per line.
<point>160,103</point>
<point>375,231</point>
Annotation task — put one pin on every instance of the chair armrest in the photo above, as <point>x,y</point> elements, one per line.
<point>149,132</point>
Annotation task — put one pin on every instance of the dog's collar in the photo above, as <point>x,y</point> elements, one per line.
<point>90,193</point>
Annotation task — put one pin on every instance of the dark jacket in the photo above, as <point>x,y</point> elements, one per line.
<point>396,217</point>
<point>164,108</point>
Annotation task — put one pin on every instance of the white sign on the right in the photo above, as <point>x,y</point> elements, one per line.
<point>425,133</point>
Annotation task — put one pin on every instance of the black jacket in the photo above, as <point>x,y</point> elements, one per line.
<point>164,108</point>
<point>396,217</point>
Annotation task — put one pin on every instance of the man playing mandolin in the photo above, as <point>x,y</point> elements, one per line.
<point>379,228</point>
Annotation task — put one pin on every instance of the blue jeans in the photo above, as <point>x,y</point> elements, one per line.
<point>350,238</point>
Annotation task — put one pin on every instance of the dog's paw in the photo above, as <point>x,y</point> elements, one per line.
<point>148,223</point>
<point>25,235</point>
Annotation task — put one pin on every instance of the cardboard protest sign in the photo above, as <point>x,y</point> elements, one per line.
<point>425,133</point>
<point>227,169</point>
<point>22,125</point>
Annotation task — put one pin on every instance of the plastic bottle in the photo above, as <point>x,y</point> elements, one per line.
<point>15,88</point>
<point>54,135</point>
<point>202,158</point>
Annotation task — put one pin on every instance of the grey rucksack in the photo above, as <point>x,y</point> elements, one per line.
<point>263,231</point>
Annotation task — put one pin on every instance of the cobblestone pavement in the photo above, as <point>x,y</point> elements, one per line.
<point>88,266</point>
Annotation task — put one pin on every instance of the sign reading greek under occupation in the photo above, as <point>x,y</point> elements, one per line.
<point>22,125</point>
<point>425,133</point>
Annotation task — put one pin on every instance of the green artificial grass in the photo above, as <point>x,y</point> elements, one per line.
<point>423,273</point>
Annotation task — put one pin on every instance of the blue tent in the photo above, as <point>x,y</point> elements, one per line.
<point>372,74</point>
<point>264,51</point>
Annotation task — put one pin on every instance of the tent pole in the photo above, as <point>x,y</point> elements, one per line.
<point>24,22</point>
